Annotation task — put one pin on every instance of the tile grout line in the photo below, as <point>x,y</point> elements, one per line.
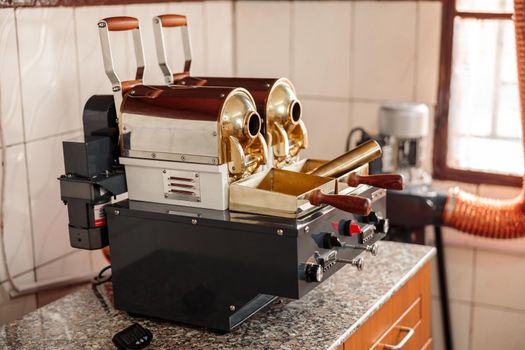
<point>234,37</point>
<point>79,89</point>
<point>205,27</point>
<point>22,273</point>
<point>43,138</point>
<point>291,47</point>
<point>26,160</point>
<point>417,24</point>
<point>351,116</point>
<point>482,304</point>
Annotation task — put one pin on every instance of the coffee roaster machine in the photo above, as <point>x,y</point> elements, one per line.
<point>222,215</point>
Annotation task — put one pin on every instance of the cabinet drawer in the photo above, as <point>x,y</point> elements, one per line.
<point>408,308</point>
<point>405,332</point>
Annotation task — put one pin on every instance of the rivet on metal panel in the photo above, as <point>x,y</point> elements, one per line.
<point>307,229</point>
<point>232,308</point>
<point>116,212</point>
<point>280,232</point>
<point>182,157</point>
<point>153,155</point>
<point>164,171</point>
<point>197,175</point>
<point>194,221</point>
<point>222,95</point>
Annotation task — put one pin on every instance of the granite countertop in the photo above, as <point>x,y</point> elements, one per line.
<point>323,319</point>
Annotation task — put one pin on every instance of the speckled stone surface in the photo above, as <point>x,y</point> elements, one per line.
<point>323,319</point>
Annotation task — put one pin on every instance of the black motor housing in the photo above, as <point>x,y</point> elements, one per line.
<point>92,174</point>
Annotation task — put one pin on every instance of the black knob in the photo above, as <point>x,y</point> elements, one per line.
<point>313,273</point>
<point>382,226</point>
<point>330,241</point>
<point>372,218</point>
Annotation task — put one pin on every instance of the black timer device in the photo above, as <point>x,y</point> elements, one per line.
<point>132,338</point>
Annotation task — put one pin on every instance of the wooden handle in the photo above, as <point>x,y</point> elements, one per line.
<point>171,21</point>
<point>117,24</point>
<point>386,181</point>
<point>352,204</point>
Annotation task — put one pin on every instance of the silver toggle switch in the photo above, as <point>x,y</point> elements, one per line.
<point>359,263</point>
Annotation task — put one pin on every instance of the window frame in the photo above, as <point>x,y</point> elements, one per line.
<point>441,170</point>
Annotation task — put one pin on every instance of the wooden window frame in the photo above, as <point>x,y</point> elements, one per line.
<point>441,170</point>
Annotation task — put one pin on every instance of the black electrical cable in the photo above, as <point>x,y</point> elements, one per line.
<point>364,136</point>
<point>100,278</point>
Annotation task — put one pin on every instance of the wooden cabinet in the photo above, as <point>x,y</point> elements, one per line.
<point>403,320</point>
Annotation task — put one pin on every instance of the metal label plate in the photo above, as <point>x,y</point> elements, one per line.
<point>181,185</point>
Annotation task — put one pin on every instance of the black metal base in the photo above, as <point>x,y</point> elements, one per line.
<point>214,269</point>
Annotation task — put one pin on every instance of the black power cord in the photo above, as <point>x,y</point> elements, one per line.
<point>100,278</point>
<point>364,137</point>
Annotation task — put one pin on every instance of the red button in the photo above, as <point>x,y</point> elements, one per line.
<point>354,229</point>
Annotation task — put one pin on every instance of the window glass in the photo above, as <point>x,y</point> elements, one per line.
<point>484,5</point>
<point>484,117</point>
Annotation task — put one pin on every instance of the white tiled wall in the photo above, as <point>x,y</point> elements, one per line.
<point>56,51</point>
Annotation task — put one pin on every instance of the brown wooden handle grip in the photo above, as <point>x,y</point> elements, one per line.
<point>171,21</point>
<point>386,181</point>
<point>117,24</point>
<point>352,204</point>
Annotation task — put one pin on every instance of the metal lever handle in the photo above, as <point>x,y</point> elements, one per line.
<point>171,21</point>
<point>113,24</point>
<point>359,263</point>
<point>352,204</point>
<point>402,343</point>
<point>386,181</point>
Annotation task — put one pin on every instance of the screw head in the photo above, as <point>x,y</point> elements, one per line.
<point>232,308</point>
<point>307,229</point>
<point>116,212</point>
<point>359,263</point>
<point>183,157</point>
<point>222,95</point>
<point>280,232</point>
<point>153,155</point>
<point>373,249</point>
<point>194,221</point>
<point>164,171</point>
